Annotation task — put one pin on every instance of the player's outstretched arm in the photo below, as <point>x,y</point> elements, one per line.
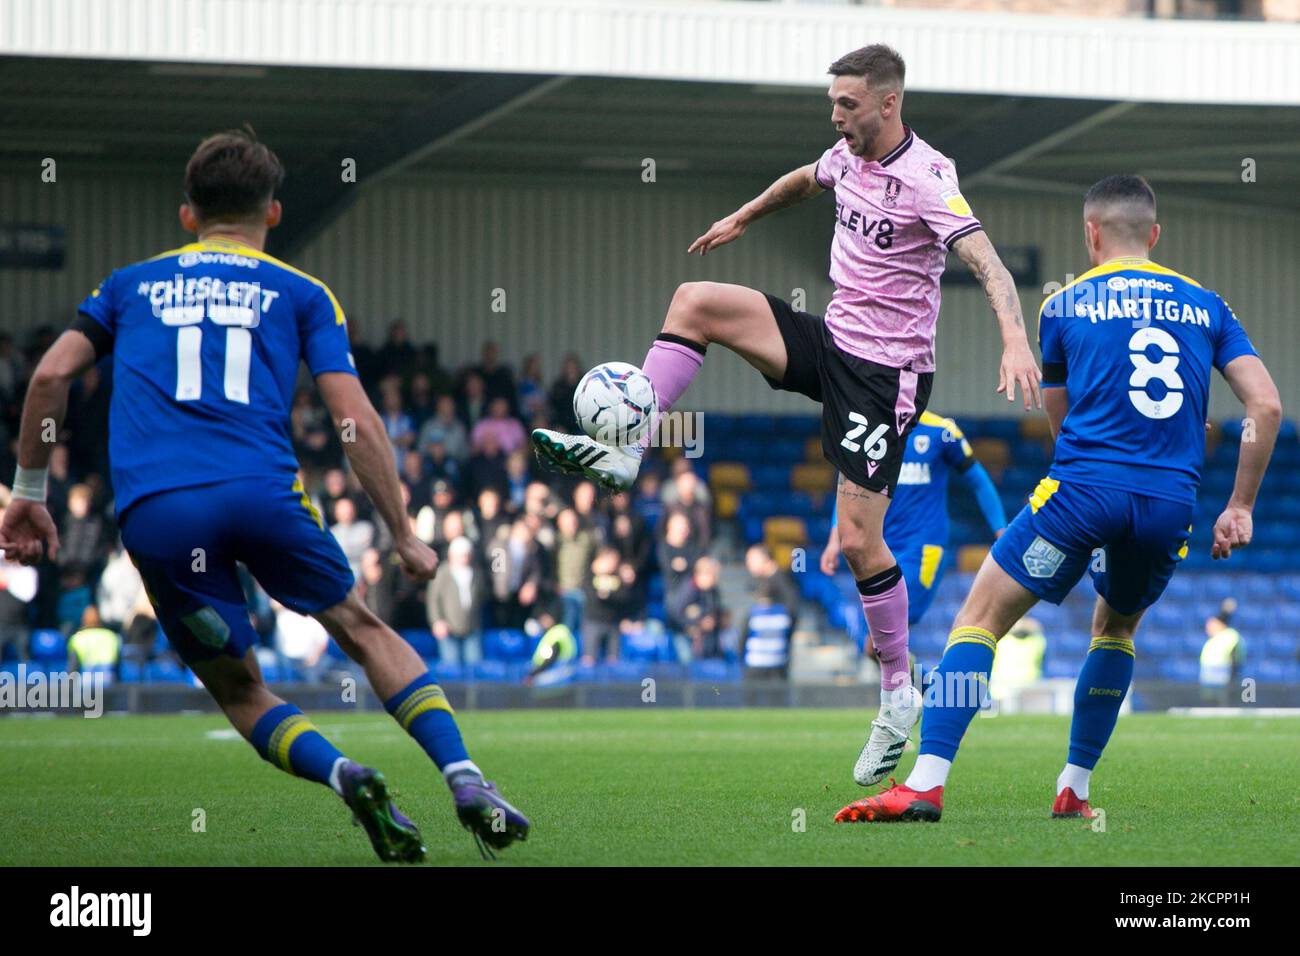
<point>793,187</point>
<point>1018,365</point>
<point>366,444</point>
<point>28,528</point>
<point>1254,387</point>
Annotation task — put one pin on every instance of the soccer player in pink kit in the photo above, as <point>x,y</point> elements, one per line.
<point>898,209</point>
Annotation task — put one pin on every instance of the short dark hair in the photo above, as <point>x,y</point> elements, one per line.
<point>232,176</point>
<point>879,65</point>
<point>1124,202</point>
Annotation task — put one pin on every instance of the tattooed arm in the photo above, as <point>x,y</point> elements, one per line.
<point>791,188</point>
<point>1018,365</point>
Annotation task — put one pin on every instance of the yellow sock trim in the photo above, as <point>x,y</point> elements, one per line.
<point>427,698</point>
<point>282,738</point>
<point>972,635</point>
<point>1104,643</point>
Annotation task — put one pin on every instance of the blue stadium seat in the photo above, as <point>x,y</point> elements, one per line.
<point>1180,669</point>
<point>48,646</point>
<point>506,644</point>
<point>488,669</point>
<point>422,639</point>
<point>449,671</point>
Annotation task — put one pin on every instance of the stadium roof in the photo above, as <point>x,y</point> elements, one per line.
<point>135,92</point>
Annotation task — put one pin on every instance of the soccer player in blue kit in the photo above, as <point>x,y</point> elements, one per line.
<point>1127,352</point>
<point>206,342</point>
<point>916,532</point>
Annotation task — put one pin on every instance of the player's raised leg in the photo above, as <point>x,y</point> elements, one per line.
<point>286,739</point>
<point>700,314</point>
<point>1098,695</point>
<point>413,698</point>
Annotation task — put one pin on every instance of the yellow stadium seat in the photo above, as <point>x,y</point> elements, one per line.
<point>970,557</point>
<point>725,503</point>
<point>780,529</point>
<point>783,553</point>
<point>814,477</point>
<point>729,476</point>
<point>993,453</point>
<point>1037,428</point>
<point>812,450</point>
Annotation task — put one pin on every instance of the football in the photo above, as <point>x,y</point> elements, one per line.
<point>615,402</point>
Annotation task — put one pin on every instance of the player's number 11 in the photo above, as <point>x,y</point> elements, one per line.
<point>189,363</point>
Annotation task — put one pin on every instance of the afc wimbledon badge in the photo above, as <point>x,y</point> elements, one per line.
<point>1042,559</point>
<point>892,188</point>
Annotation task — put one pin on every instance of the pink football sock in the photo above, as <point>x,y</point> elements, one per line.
<point>671,365</point>
<point>884,602</point>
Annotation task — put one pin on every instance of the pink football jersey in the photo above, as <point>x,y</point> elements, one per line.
<point>894,220</point>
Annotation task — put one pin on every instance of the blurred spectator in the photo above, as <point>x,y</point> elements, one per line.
<point>574,547</point>
<point>628,535</point>
<point>1019,660</point>
<point>509,432</point>
<point>119,589</point>
<point>397,423</point>
<point>300,640</point>
<point>428,520</point>
<point>17,588</point>
<point>490,520</point>
<point>415,478</point>
<point>472,404</point>
<point>610,600</point>
<point>447,429</point>
<point>555,653</point>
<point>420,406</point>
<point>82,545</point>
<point>140,630</point>
<point>456,599</point>
<point>397,355</point>
<point>1222,657</point>
<point>678,551</point>
<point>517,575</point>
<point>335,487</point>
<point>765,649</point>
<point>695,612</point>
<point>769,578</point>
<point>690,497</point>
<point>86,421</point>
<point>560,397</point>
<point>93,646</point>
<point>314,440</point>
<point>498,379</point>
<point>646,502</point>
<point>518,478</point>
<point>584,505</point>
<point>486,467</point>
<point>532,392</point>
<point>376,584</point>
<point>354,536</point>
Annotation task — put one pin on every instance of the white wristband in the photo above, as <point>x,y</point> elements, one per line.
<point>29,484</point>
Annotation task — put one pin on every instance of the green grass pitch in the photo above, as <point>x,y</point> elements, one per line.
<point>648,787</point>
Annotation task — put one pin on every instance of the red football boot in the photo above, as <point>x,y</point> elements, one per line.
<point>1067,806</point>
<point>896,803</point>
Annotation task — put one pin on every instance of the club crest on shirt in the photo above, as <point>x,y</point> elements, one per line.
<point>892,188</point>
<point>1041,559</point>
<point>921,443</point>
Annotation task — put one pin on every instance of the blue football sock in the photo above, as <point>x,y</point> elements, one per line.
<point>424,712</point>
<point>286,738</point>
<point>956,689</point>
<point>1103,682</point>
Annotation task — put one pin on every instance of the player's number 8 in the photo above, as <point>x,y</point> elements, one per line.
<point>1144,370</point>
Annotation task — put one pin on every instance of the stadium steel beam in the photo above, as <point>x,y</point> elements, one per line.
<point>317,194</point>
<point>1038,126</point>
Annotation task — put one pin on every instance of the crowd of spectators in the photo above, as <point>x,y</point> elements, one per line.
<point>516,545</point>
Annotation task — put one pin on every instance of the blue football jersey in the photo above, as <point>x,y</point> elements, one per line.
<point>1136,342</point>
<point>206,343</point>
<point>918,515</point>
